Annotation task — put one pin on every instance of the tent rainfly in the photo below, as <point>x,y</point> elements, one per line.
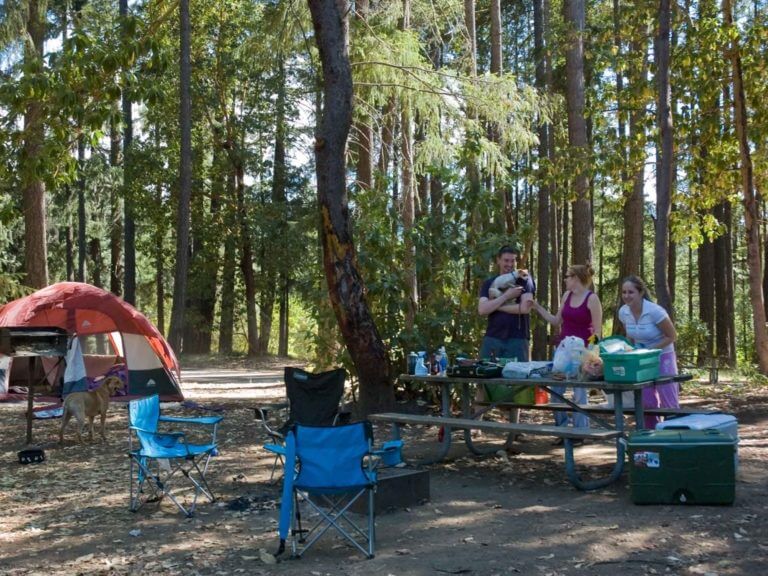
<point>98,321</point>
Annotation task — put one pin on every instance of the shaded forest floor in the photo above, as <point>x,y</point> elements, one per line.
<point>496,515</point>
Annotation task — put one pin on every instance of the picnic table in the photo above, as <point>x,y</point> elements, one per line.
<point>467,421</point>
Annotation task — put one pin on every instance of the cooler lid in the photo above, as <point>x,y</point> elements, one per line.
<point>656,437</point>
<point>697,422</point>
<point>637,354</point>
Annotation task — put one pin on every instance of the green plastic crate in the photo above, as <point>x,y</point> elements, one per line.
<point>682,467</point>
<point>631,366</point>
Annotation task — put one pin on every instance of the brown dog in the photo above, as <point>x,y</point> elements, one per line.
<point>88,405</point>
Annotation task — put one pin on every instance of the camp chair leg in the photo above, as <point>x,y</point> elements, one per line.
<point>333,517</point>
<point>371,524</point>
<point>143,481</point>
<point>278,460</point>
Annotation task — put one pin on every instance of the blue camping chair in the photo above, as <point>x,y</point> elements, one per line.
<point>331,467</point>
<point>163,457</point>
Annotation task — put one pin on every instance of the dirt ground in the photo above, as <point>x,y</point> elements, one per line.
<point>495,515</point>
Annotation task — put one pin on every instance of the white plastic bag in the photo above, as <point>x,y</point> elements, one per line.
<point>568,355</point>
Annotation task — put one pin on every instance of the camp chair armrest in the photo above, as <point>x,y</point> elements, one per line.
<point>159,434</point>
<point>262,411</point>
<point>275,449</point>
<point>206,420</point>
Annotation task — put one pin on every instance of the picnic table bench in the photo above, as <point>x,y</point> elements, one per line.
<point>468,421</point>
<point>594,408</point>
<point>565,432</point>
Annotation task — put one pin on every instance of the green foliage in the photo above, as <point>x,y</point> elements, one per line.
<point>475,156</point>
<point>692,334</point>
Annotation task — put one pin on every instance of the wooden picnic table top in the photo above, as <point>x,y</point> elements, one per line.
<point>601,384</point>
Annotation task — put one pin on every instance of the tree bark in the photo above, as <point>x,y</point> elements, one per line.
<point>272,268</point>
<point>285,285</point>
<point>577,129</point>
<point>227,314</point>
<point>116,228</point>
<point>82,248</point>
<point>185,180</point>
<point>706,264</point>
<point>633,210</point>
<point>665,160</point>
<point>345,286</point>
<point>751,212</point>
<point>723,298</point>
<point>32,185</point>
<point>408,206</point>
<point>246,263</point>
<point>544,260</point>
<point>363,130</point>
<point>129,224</point>
<point>159,248</point>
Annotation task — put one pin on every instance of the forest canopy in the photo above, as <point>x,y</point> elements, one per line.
<point>166,151</point>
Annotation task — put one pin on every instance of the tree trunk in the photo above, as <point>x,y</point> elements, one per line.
<point>129,225</point>
<point>475,223</point>
<point>282,344</point>
<point>408,211</point>
<point>227,314</point>
<point>159,248</point>
<point>82,248</point>
<point>185,181</point>
<point>94,249</point>
<point>633,210</point>
<point>273,267</point>
<point>345,286</point>
<point>730,359</point>
<point>544,261</point>
<point>69,242</point>
<point>723,299</point>
<point>706,264</point>
<point>577,129</point>
<point>387,142</point>
<point>116,228</point>
<point>363,130</point>
<point>751,213</point>
<point>207,225</point>
<point>32,185</point>
<point>246,264</point>
<point>408,206</point>
<point>665,161</point>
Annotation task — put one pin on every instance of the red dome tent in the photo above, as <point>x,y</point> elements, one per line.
<point>87,311</point>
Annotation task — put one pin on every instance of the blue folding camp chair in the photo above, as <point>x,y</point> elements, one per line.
<point>331,467</point>
<point>163,457</point>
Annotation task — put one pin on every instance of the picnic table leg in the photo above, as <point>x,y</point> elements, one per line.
<point>575,479</point>
<point>466,410</point>
<point>639,412</point>
<point>444,435</point>
<point>618,467</point>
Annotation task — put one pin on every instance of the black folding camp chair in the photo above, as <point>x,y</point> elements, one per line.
<point>311,400</point>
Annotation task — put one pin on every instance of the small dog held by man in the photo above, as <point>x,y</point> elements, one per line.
<point>88,405</point>
<point>510,279</point>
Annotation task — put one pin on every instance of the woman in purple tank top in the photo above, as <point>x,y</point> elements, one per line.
<point>581,315</point>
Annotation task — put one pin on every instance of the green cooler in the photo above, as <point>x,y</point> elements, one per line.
<point>681,467</point>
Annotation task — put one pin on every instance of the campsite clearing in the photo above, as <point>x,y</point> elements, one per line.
<point>493,515</point>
